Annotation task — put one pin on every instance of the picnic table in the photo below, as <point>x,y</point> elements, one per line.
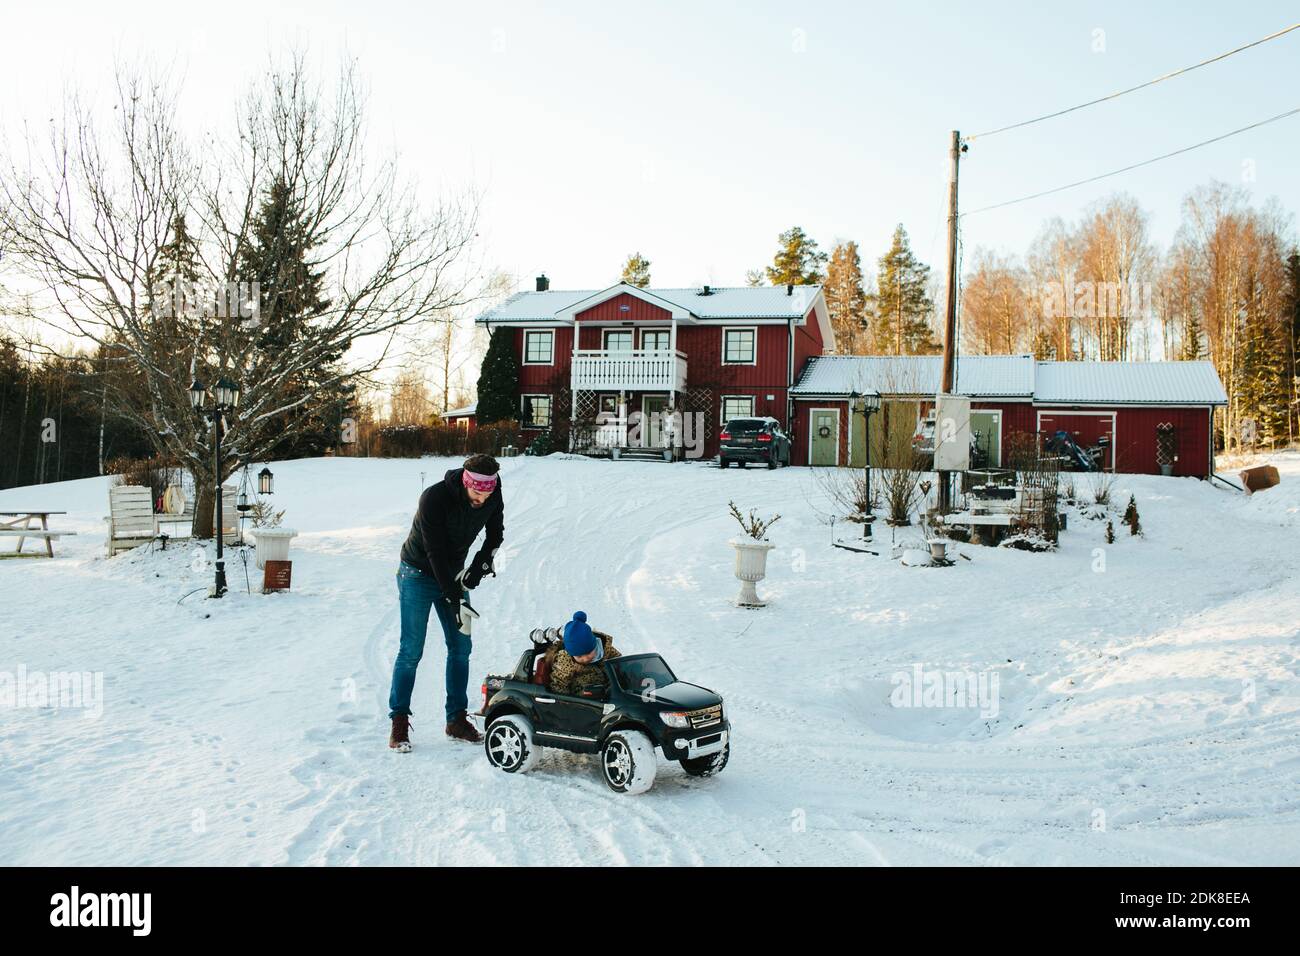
<point>11,520</point>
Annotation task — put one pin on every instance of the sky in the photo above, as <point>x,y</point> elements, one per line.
<point>696,132</point>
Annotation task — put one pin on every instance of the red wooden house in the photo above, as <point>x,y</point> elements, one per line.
<point>1153,413</point>
<point>638,372</point>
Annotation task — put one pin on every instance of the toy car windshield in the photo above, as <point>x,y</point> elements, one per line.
<point>643,672</point>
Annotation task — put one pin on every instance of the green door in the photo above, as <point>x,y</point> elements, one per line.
<point>986,430</point>
<point>652,420</point>
<point>858,443</point>
<point>825,436</point>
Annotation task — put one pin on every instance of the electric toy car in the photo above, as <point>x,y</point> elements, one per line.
<point>639,712</point>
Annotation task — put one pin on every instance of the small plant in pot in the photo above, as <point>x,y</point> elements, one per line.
<point>751,554</point>
<point>272,539</point>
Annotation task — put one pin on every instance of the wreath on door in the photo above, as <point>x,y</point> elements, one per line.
<point>824,431</point>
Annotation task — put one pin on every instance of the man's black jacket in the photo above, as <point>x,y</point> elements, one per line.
<point>445,526</point>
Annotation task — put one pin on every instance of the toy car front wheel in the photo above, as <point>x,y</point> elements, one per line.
<point>708,766</point>
<point>509,744</point>
<point>627,762</point>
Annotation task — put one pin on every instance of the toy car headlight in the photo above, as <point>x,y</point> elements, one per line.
<point>674,718</point>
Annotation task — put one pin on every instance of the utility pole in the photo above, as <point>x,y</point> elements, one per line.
<point>950,312</point>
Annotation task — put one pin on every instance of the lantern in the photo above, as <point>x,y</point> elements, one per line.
<point>265,481</point>
<point>197,393</point>
<point>227,392</point>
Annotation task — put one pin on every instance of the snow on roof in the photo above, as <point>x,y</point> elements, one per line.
<point>743,302</point>
<point>461,412</point>
<point>1134,383</point>
<point>986,375</point>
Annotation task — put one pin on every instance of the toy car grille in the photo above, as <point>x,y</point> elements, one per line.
<point>705,717</point>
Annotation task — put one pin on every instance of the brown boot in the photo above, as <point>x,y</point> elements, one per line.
<point>459,728</point>
<point>400,738</point>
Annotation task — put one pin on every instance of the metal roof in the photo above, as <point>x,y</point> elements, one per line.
<point>1010,376</point>
<point>1017,376</point>
<point>744,302</point>
<point>461,412</point>
<point>1129,383</point>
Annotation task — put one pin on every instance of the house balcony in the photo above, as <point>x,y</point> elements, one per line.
<point>611,370</point>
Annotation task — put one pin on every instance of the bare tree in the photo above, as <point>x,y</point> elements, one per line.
<point>88,217</point>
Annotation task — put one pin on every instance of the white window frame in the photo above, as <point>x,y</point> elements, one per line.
<point>523,407</point>
<point>605,334</point>
<point>550,349</point>
<point>656,332</point>
<point>753,401</point>
<point>740,328</point>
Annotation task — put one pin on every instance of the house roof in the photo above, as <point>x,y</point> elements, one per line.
<point>1004,376</point>
<point>461,412</point>
<point>1017,376</point>
<point>1129,383</point>
<point>745,302</point>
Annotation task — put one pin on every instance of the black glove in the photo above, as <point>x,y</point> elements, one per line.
<point>453,608</point>
<point>473,575</point>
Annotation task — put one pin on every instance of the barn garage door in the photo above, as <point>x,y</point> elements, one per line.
<point>1085,427</point>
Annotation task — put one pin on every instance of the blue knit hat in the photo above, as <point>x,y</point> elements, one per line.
<point>578,638</point>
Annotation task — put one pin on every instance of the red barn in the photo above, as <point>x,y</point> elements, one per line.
<point>1138,406</point>
<point>638,372</point>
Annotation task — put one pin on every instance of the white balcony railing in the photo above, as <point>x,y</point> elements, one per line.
<point>632,369</point>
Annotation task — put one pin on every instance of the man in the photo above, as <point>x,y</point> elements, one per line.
<point>578,666</point>
<point>448,520</point>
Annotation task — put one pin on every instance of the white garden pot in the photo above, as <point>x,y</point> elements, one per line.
<point>751,567</point>
<point>273,544</point>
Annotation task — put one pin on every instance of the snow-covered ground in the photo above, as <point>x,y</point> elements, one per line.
<point>1147,706</point>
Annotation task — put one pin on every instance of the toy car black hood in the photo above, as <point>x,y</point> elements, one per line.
<point>686,696</point>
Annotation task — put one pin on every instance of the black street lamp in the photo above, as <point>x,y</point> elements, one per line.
<point>869,405</point>
<point>226,394</point>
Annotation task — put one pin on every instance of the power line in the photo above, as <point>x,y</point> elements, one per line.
<point>1145,162</point>
<point>1140,86</point>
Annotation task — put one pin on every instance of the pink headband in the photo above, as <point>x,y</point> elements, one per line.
<point>476,482</point>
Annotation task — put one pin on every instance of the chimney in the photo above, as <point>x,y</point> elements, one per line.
<point>789,288</point>
<point>543,283</point>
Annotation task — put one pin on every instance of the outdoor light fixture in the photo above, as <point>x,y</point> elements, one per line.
<point>265,481</point>
<point>226,393</point>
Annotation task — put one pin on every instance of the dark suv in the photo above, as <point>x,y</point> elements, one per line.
<point>754,439</point>
<point>642,707</point>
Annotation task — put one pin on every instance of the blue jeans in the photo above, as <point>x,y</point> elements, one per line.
<point>417,592</point>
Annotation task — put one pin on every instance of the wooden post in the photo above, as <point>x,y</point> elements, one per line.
<point>946,382</point>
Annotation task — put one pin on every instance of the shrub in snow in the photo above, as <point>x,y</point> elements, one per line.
<point>753,526</point>
<point>1110,533</point>
<point>1131,517</point>
<point>1030,540</point>
<point>541,445</point>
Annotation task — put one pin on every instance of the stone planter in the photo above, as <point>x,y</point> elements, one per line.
<point>938,548</point>
<point>1167,470</point>
<point>273,544</point>
<point>751,567</point>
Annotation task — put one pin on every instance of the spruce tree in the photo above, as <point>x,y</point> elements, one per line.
<point>901,305</point>
<point>636,271</point>
<point>291,296</point>
<point>798,261</point>
<point>498,380</point>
